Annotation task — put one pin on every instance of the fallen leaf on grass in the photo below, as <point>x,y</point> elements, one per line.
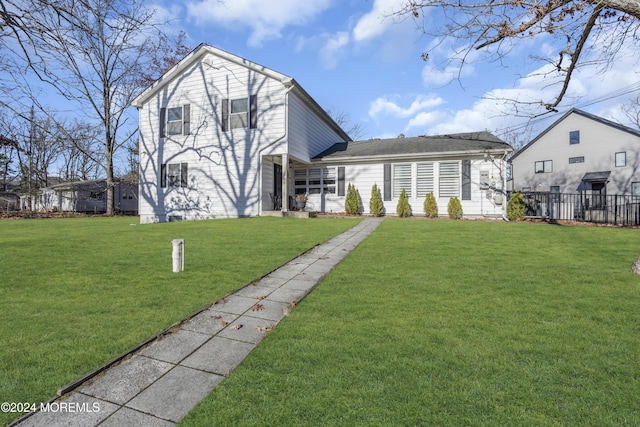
<point>257,307</point>
<point>292,304</point>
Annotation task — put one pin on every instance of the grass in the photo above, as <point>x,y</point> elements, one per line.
<point>454,323</point>
<point>78,292</point>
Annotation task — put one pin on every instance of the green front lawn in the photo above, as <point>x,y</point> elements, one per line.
<point>454,323</point>
<point>76,293</point>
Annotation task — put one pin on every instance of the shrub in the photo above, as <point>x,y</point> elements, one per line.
<point>454,208</point>
<point>376,208</point>
<point>430,206</point>
<point>515,207</point>
<point>352,203</point>
<point>404,208</point>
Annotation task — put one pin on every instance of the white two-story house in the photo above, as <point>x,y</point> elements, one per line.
<point>221,136</point>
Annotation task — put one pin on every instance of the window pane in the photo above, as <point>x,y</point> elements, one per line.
<point>401,180</point>
<point>635,189</point>
<point>579,159</point>
<point>574,137</point>
<point>239,106</point>
<point>173,174</point>
<point>621,159</point>
<point>239,113</point>
<point>449,179</point>
<point>174,121</point>
<point>424,179</point>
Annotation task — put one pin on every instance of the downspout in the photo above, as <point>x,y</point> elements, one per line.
<point>284,136</point>
<point>504,187</point>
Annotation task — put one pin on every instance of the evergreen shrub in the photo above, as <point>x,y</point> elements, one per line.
<point>430,206</point>
<point>454,208</point>
<point>403,209</point>
<point>376,208</point>
<point>515,207</point>
<point>352,203</point>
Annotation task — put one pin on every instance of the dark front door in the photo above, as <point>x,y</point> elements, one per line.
<point>277,187</point>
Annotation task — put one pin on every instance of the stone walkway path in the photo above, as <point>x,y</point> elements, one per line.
<point>161,382</point>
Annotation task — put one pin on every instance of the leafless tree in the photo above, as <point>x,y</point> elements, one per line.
<point>632,111</point>
<point>498,26</point>
<point>354,130</point>
<point>93,52</point>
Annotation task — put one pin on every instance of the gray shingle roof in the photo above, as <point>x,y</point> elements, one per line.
<point>473,142</point>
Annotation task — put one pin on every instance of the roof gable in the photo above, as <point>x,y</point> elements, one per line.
<point>590,116</point>
<point>197,54</point>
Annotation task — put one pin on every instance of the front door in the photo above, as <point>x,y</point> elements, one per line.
<point>277,187</point>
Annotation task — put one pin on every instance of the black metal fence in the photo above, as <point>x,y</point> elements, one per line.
<point>583,207</point>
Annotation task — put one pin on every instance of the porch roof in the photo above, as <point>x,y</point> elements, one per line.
<point>596,176</point>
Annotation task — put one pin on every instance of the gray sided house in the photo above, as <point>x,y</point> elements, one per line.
<point>580,153</point>
<point>221,136</point>
<point>86,197</point>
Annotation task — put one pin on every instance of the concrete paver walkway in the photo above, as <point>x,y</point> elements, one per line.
<point>161,382</point>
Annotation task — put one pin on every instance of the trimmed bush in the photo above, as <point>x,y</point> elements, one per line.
<point>515,207</point>
<point>352,204</point>
<point>404,208</point>
<point>376,208</point>
<point>454,208</point>
<point>430,206</point>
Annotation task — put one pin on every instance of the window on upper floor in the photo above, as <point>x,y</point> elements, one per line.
<point>635,189</point>
<point>579,159</point>
<point>574,137</point>
<point>174,120</point>
<point>544,166</point>
<point>240,113</point>
<point>621,159</point>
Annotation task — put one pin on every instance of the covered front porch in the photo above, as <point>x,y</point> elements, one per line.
<point>278,179</point>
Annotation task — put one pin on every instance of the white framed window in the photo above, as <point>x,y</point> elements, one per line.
<point>315,180</point>
<point>621,159</point>
<point>635,189</point>
<point>544,166</point>
<point>578,159</point>
<point>449,178</point>
<point>173,175</point>
<point>401,179</point>
<point>174,121</point>
<point>239,113</point>
<point>424,179</point>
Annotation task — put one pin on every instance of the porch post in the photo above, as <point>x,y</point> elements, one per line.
<point>285,182</point>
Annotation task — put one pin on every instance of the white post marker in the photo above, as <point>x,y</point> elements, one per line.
<point>178,255</point>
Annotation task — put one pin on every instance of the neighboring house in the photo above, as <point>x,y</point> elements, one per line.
<point>580,153</point>
<point>221,136</point>
<point>86,196</point>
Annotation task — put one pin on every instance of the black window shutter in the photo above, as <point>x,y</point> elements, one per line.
<point>163,175</point>
<point>163,120</point>
<point>186,119</point>
<point>183,175</point>
<point>253,111</point>
<point>466,180</point>
<point>387,182</point>
<point>225,115</point>
<point>341,181</point>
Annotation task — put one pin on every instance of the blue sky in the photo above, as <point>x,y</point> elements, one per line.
<point>353,58</point>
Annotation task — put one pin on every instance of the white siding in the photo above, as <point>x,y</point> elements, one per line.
<point>308,134</point>
<point>484,202</point>
<point>223,178</point>
<point>598,144</point>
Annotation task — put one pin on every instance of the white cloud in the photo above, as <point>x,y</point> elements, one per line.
<point>376,22</point>
<point>334,49</point>
<point>266,19</point>
<point>383,106</point>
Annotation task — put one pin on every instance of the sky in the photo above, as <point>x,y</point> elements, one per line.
<point>355,58</point>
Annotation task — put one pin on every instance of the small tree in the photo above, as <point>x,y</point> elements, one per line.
<point>404,208</point>
<point>515,207</point>
<point>376,208</point>
<point>430,206</point>
<point>352,203</point>
<point>454,208</point>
